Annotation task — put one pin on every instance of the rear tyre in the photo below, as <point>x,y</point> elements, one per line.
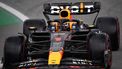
<point>37,23</point>
<point>110,25</point>
<point>99,49</point>
<point>14,51</point>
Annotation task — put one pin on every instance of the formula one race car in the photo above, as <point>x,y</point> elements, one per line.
<point>65,43</point>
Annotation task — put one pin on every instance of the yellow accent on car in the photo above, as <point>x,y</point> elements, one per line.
<point>67,17</point>
<point>54,58</point>
<point>81,7</point>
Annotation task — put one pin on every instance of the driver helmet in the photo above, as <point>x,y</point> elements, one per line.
<point>66,26</point>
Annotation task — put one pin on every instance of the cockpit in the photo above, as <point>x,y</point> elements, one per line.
<point>65,25</point>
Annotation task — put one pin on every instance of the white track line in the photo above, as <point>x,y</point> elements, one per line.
<point>1,65</point>
<point>13,11</point>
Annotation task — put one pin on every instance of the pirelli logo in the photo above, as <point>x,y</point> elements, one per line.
<point>75,9</point>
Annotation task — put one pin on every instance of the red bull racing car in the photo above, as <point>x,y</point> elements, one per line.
<point>64,42</point>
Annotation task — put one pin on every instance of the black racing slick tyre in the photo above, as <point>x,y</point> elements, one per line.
<point>110,25</point>
<point>14,51</point>
<point>99,50</point>
<point>40,24</point>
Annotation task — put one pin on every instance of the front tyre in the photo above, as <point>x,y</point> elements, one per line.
<point>14,51</point>
<point>100,50</point>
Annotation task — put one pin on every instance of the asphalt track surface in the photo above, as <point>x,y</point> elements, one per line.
<point>33,9</point>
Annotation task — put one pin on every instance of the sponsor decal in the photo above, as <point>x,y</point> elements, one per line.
<point>75,9</point>
<point>81,61</point>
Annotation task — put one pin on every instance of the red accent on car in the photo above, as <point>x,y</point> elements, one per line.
<point>74,67</point>
<point>57,39</point>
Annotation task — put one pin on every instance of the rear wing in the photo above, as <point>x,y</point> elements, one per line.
<point>74,8</point>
